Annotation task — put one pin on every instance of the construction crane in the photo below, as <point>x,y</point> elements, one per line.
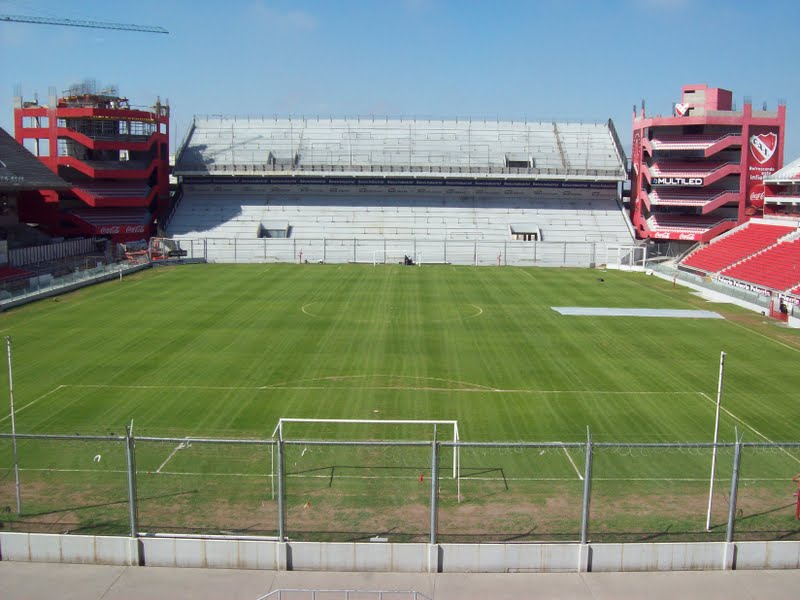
<point>76,23</point>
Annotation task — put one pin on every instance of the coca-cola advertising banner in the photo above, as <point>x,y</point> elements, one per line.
<point>762,160</point>
<point>117,229</point>
<point>674,235</point>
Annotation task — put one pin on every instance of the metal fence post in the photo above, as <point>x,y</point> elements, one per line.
<point>737,455</point>
<point>434,489</point>
<point>133,508</point>
<point>587,489</point>
<point>281,518</point>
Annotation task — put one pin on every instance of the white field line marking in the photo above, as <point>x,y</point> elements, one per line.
<point>795,348</point>
<point>32,402</point>
<point>528,274</point>
<point>286,386</point>
<point>475,306</point>
<point>180,446</point>
<point>753,429</point>
<point>572,462</point>
<point>267,269</point>
<point>478,314</point>
<point>411,477</point>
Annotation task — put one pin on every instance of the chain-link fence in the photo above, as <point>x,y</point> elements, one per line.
<point>400,491</point>
<point>394,251</point>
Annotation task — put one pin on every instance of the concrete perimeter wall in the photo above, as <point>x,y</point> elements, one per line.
<point>406,558</point>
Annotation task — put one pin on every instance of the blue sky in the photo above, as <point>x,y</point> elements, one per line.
<point>541,59</point>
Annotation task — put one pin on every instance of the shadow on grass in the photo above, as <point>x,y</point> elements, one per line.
<point>742,517</point>
<point>25,515</point>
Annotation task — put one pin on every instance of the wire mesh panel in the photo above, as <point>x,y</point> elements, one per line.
<point>491,253</point>
<point>767,503</point>
<point>429,251</point>
<point>657,493</point>
<point>511,493</point>
<point>8,502</point>
<point>348,492</point>
<point>66,486</point>
<point>199,487</point>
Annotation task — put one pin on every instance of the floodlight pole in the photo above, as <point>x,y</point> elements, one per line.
<point>716,437</point>
<point>13,427</point>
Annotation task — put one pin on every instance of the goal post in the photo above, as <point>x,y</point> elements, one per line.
<point>626,258</point>
<point>279,433</point>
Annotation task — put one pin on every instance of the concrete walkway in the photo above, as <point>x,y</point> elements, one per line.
<point>29,581</point>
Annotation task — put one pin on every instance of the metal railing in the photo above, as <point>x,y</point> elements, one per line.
<point>42,282</point>
<point>468,251</point>
<point>187,167</point>
<point>399,491</point>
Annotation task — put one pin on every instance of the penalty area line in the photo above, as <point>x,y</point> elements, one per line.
<point>750,427</point>
<point>32,402</point>
<point>180,446</point>
<point>572,462</point>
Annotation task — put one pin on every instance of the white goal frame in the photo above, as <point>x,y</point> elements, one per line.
<point>277,433</point>
<point>626,258</point>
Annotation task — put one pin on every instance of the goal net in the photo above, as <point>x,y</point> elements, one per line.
<point>626,258</point>
<point>369,432</point>
<point>364,475</point>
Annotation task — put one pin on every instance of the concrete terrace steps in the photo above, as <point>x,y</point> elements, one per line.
<point>219,215</point>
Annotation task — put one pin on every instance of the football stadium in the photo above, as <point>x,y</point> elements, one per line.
<point>344,333</point>
<point>400,344</point>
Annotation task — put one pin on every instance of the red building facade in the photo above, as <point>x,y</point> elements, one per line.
<point>699,172</point>
<point>115,157</point>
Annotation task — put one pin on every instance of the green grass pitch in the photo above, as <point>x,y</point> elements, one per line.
<point>226,350</point>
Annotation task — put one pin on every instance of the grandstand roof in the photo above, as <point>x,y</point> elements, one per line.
<point>20,170</point>
<point>788,174</point>
<point>402,147</point>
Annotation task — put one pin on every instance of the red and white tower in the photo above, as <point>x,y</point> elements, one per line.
<point>698,173</point>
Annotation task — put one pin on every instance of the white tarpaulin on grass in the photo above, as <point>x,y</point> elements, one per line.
<point>586,311</point>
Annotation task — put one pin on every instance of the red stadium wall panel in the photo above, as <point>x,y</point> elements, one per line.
<point>116,157</point>
<point>699,172</point>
